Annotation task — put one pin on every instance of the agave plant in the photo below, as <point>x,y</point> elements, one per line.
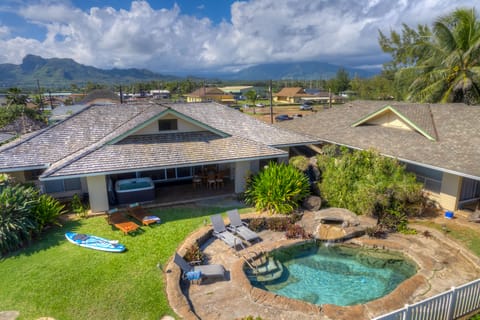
<point>16,222</point>
<point>279,188</point>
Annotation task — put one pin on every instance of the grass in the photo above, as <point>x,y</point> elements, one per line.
<point>54,278</point>
<point>468,237</point>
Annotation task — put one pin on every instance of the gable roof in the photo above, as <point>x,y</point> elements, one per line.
<point>207,91</point>
<point>291,92</point>
<point>454,126</point>
<point>418,118</point>
<point>97,141</point>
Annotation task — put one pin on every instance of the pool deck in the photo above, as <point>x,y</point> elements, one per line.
<point>442,265</point>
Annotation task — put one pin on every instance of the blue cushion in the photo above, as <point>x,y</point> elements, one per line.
<point>194,275</point>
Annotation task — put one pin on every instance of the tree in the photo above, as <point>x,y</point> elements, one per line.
<point>441,65</point>
<point>342,81</point>
<point>252,96</point>
<point>367,183</point>
<point>16,97</point>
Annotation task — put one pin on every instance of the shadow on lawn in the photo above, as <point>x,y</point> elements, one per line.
<point>51,237</point>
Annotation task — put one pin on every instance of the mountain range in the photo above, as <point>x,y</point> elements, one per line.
<point>61,73</point>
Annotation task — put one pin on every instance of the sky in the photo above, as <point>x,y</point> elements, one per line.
<point>196,36</point>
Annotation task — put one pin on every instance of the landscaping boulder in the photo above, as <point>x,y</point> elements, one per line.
<point>312,203</point>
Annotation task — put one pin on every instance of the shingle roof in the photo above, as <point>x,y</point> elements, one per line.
<point>455,125</point>
<point>291,92</point>
<point>82,143</point>
<point>165,150</point>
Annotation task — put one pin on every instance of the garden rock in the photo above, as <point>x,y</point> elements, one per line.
<point>312,203</point>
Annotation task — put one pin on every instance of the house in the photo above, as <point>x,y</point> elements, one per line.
<point>100,145</point>
<point>438,142</point>
<point>238,92</point>
<point>290,95</point>
<point>207,94</point>
<point>300,95</point>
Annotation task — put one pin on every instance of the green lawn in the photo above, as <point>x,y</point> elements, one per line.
<point>57,279</point>
<point>468,236</point>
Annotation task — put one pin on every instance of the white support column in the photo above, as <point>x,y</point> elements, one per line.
<point>97,192</point>
<point>450,191</point>
<point>242,170</point>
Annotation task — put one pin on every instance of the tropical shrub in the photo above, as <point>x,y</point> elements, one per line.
<point>367,183</point>
<point>78,207</point>
<point>279,188</point>
<point>46,211</point>
<point>299,162</point>
<point>16,223</point>
<point>194,254</point>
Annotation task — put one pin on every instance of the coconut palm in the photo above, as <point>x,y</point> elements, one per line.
<point>448,69</point>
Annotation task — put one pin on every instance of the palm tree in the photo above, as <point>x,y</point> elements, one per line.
<point>16,97</point>
<point>448,68</point>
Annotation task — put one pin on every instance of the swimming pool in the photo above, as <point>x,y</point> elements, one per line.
<point>341,275</point>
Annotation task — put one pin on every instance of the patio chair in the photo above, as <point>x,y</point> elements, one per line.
<point>191,272</point>
<point>119,221</point>
<point>139,213</point>
<point>240,228</point>
<point>221,232</point>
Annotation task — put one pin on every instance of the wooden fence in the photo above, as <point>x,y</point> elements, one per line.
<point>448,305</point>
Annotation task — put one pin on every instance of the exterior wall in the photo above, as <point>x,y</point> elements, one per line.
<point>97,190</point>
<point>18,176</point>
<point>183,126</point>
<point>451,185</point>
<point>390,120</point>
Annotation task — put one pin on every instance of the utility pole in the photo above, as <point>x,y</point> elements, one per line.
<point>271,104</point>
<point>40,96</point>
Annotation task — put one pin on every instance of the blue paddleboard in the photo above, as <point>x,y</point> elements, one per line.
<point>93,242</point>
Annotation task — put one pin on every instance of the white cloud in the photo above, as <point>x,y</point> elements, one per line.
<point>260,31</point>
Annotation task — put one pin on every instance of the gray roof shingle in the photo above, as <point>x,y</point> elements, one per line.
<point>456,127</point>
<point>82,144</point>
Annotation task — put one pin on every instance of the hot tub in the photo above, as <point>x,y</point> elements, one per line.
<point>135,190</point>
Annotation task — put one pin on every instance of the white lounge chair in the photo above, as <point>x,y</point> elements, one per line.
<point>240,228</point>
<point>206,271</point>
<point>221,232</point>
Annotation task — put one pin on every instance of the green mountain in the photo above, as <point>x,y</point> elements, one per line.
<point>311,70</point>
<point>62,73</point>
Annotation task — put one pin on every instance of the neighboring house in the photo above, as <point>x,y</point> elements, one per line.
<point>208,94</point>
<point>238,92</point>
<point>89,151</point>
<point>300,95</point>
<point>290,95</point>
<point>438,142</point>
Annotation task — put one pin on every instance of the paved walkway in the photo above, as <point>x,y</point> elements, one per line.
<point>441,266</point>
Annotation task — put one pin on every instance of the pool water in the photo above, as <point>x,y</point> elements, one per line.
<point>339,275</point>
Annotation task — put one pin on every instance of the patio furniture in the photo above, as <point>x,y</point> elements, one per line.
<point>221,232</point>
<point>211,180</point>
<point>139,213</point>
<point>192,272</point>
<point>196,181</point>
<point>119,221</point>
<point>219,182</point>
<point>239,227</point>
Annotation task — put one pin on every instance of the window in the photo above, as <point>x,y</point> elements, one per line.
<point>167,124</point>
<point>56,186</point>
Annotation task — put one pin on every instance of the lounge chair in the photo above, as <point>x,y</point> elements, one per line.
<point>206,271</point>
<point>139,213</point>
<point>221,232</point>
<point>240,228</point>
<point>119,221</point>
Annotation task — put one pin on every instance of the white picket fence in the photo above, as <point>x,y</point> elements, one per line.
<point>448,305</point>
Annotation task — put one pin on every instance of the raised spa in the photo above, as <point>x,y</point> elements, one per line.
<point>135,190</point>
<point>341,275</point>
